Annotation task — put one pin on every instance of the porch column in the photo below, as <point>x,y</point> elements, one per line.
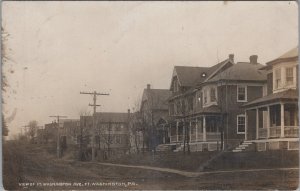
<point>204,128</point>
<point>246,125</point>
<point>183,132</point>
<point>190,130</point>
<point>164,134</point>
<point>257,123</point>
<point>196,129</point>
<point>268,122</point>
<point>177,131</point>
<point>281,120</point>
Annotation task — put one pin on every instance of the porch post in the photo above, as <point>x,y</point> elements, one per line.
<point>204,128</point>
<point>268,122</point>
<point>176,131</point>
<point>246,125</point>
<point>197,129</point>
<point>281,120</point>
<point>257,122</point>
<point>190,130</point>
<point>164,134</point>
<point>183,132</point>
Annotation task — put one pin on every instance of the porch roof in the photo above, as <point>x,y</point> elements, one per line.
<point>288,95</point>
<point>213,109</point>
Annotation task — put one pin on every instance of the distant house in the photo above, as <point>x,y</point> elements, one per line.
<point>70,129</point>
<point>49,133</point>
<point>154,113</point>
<point>278,108</point>
<point>111,132</point>
<point>206,103</point>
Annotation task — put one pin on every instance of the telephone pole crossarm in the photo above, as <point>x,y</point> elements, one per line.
<point>94,105</point>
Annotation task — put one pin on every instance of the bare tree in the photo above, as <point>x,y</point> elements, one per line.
<point>32,130</point>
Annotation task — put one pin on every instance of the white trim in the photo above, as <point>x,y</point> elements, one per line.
<point>237,93</point>
<point>237,124</point>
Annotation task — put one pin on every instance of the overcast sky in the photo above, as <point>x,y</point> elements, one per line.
<point>57,49</point>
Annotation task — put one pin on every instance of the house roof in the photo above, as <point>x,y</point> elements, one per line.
<point>288,95</point>
<point>157,98</point>
<point>191,75</point>
<point>290,55</point>
<point>242,71</point>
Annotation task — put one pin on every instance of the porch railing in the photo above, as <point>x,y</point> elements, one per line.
<point>213,136</point>
<point>210,136</point>
<point>291,131</point>
<point>263,133</point>
<point>275,132</point>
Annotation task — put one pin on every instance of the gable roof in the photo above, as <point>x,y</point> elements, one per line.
<point>191,75</point>
<point>242,71</point>
<point>157,98</point>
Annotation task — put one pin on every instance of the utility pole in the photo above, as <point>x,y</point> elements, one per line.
<point>58,134</point>
<point>94,105</point>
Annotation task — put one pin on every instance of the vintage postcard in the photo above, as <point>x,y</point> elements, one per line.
<point>132,95</point>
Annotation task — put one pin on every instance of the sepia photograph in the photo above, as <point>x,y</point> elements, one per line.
<point>150,95</point>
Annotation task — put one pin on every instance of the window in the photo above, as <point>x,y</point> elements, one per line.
<point>241,93</point>
<point>172,109</point>
<point>289,76</point>
<point>190,102</point>
<point>118,139</point>
<point>205,97</point>
<point>175,85</point>
<point>212,94</point>
<point>241,124</point>
<point>117,127</point>
<point>277,78</point>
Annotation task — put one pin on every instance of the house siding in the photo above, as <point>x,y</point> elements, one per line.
<point>227,96</point>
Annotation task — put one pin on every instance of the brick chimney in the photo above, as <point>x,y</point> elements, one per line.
<point>231,57</point>
<point>253,59</point>
<point>148,86</point>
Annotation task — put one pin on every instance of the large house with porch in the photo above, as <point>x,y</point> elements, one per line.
<point>272,121</point>
<point>206,103</point>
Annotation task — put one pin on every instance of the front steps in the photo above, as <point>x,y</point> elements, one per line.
<point>242,147</point>
<point>163,148</point>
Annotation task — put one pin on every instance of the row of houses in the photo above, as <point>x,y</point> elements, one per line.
<point>231,106</point>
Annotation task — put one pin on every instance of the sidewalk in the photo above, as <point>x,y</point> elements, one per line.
<point>194,174</point>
